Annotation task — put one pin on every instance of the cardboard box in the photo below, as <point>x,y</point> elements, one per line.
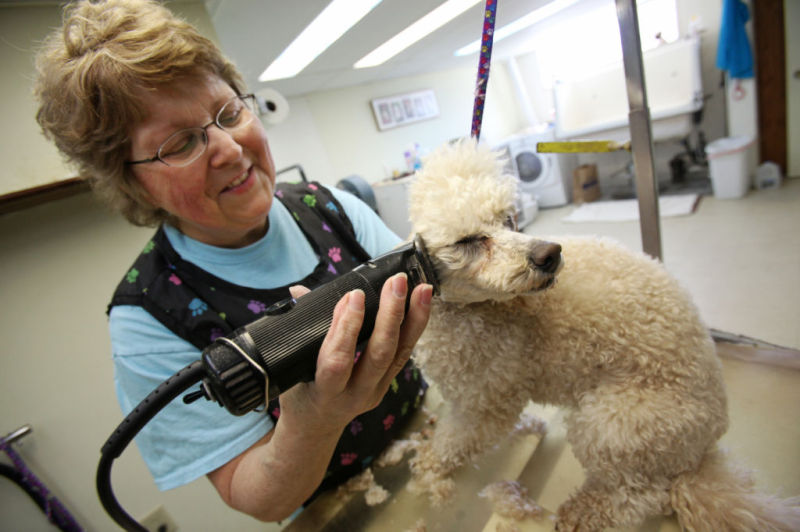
<point>585,185</point>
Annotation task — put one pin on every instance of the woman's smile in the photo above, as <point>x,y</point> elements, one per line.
<point>237,185</point>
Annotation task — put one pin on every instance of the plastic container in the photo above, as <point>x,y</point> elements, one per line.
<point>727,164</point>
<point>768,175</point>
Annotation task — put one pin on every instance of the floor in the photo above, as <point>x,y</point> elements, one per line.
<point>739,258</point>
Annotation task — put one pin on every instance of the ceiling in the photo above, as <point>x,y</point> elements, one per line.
<point>254,32</point>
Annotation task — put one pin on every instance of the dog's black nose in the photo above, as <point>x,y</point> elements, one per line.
<point>545,256</point>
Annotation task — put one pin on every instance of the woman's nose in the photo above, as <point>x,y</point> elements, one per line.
<point>223,146</point>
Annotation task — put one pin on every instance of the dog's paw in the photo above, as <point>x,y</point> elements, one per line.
<point>574,515</point>
<point>568,524</point>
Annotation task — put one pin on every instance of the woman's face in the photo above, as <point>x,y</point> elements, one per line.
<point>224,196</point>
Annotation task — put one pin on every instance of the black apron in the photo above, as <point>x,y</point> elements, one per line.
<point>200,307</point>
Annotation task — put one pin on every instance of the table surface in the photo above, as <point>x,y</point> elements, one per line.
<point>764,400</point>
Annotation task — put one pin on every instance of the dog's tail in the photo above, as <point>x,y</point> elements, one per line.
<point>721,496</point>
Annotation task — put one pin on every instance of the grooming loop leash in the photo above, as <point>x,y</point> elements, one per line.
<point>56,513</point>
<point>483,67</point>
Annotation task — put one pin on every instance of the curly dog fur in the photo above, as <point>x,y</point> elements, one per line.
<point>584,324</point>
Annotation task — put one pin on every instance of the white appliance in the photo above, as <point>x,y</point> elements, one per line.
<point>527,209</point>
<point>392,199</point>
<point>545,176</point>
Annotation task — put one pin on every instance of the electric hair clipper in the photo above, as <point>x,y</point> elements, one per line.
<point>275,352</point>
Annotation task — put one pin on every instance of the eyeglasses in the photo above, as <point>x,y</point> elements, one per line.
<point>186,145</point>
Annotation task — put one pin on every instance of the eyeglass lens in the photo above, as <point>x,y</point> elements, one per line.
<point>186,145</point>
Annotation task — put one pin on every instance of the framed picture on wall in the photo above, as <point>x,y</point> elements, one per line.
<point>402,109</point>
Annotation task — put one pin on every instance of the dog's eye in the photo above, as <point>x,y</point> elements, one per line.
<point>511,223</point>
<point>472,239</point>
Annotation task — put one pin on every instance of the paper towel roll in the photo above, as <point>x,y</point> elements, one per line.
<point>272,106</point>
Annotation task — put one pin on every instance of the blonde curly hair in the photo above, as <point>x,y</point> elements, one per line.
<point>90,72</point>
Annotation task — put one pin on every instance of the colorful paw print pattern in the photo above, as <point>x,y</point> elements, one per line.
<point>197,306</point>
<point>368,434</point>
<point>310,200</point>
<point>132,275</point>
<point>257,307</point>
<point>200,308</point>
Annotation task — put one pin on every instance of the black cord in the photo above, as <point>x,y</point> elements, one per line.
<point>130,426</point>
<point>293,167</point>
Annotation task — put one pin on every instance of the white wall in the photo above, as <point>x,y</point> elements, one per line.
<point>34,161</point>
<point>341,138</point>
<point>310,153</point>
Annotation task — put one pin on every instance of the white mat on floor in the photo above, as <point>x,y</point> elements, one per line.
<point>626,210</point>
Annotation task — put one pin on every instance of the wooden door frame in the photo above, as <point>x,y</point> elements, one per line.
<point>770,67</point>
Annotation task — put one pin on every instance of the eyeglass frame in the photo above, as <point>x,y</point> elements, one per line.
<point>253,105</point>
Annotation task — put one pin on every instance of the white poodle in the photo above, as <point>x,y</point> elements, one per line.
<point>583,324</point>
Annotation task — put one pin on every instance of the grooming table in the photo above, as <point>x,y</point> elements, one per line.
<point>764,400</point>
<point>348,512</point>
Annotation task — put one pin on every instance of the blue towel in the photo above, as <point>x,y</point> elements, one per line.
<point>733,50</point>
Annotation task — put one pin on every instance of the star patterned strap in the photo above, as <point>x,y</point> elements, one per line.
<point>483,67</point>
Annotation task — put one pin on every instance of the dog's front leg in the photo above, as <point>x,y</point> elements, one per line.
<point>460,436</point>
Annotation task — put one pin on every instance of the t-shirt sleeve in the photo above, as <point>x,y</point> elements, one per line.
<point>182,442</point>
<point>372,233</point>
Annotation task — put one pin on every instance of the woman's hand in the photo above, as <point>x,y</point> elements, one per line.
<point>343,389</point>
<point>278,473</point>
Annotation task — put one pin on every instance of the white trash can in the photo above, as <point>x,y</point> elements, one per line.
<point>727,165</point>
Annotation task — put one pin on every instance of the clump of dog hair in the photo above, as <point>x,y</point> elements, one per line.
<point>395,453</point>
<point>374,494</point>
<point>510,499</point>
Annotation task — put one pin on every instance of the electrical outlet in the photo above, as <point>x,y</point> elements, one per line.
<point>159,520</point>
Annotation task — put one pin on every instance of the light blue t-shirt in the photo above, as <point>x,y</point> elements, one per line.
<point>184,442</point>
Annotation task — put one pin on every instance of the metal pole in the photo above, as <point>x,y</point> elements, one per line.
<point>21,432</point>
<point>641,132</point>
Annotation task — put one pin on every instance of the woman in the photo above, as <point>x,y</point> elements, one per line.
<point>158,120</point>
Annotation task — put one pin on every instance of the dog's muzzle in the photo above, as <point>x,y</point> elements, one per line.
<point>545,257</point>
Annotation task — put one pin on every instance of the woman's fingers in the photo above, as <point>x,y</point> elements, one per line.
<point>378,356</point>
<point>335,361</point>
<point>419,310</point>
<point>298,290</point>
<point>387,350</point>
